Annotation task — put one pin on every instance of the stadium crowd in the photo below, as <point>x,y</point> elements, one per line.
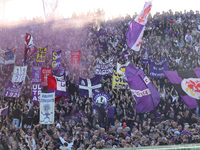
<point>77,125</point>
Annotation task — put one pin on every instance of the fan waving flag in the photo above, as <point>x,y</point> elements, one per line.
<point>187,84</point>
<point>4,109</point>
<point>30,49</point>
<point>88,86</point>
<point>145,94</point>
<point>56,84</point>
<point>136,29</point>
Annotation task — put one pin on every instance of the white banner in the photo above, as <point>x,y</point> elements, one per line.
<point>104,68</point>
<point>47,104</point>
<point>19,73</point>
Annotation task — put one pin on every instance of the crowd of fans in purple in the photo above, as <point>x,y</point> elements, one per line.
<point>79,126</point>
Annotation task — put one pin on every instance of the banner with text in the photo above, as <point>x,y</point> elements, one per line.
<point>19,73</point>
<point>75,57</point>
<point>36,74</point>
<point>47,104</point>
<point>156,68</point>
<point>56,59</point>
<point>104,68</point>
<point>101,99</point>
<point>13,89</point>
<point>118,82</point>
<point>41,54</point>
<point>45,72</point>
<point>36,90</point>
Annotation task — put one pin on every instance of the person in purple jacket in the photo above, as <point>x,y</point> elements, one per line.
<point>110,111</point>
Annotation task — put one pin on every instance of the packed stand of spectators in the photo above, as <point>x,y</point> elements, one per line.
<point>77,125</point>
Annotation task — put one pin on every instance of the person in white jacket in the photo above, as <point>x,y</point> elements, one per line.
<point>66,145</point>
<point>188,38</point>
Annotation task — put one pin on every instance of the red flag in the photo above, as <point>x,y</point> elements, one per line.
<point>56,84</point>
<point>75,57</point>
<point>29,47</point>
<point>45,72</point>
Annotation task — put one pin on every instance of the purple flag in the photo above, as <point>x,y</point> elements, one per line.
<point>133,34</point>
<point>187,84</point>
<point>56,59</point>
<point>156,69</point>
<point>101,98</point>
<point>4,109</point>
<point>36,74</point>
<point>57,93</point>
<point>36,90</point>
<point>89,86</point>
<point>13,89</point>
<point>143,91</point>
<point>136,29</point>
<point>60,71</point>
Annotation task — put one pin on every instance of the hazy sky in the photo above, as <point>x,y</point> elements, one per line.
<point>16,9</point>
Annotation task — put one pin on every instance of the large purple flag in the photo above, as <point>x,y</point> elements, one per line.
<point>89,86</point>
<point>13,89</point>
<point>101,99</point>
<point>56,59</point>
<point>187,84</point>
<point>136,29</point>
<point>143,91</point>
